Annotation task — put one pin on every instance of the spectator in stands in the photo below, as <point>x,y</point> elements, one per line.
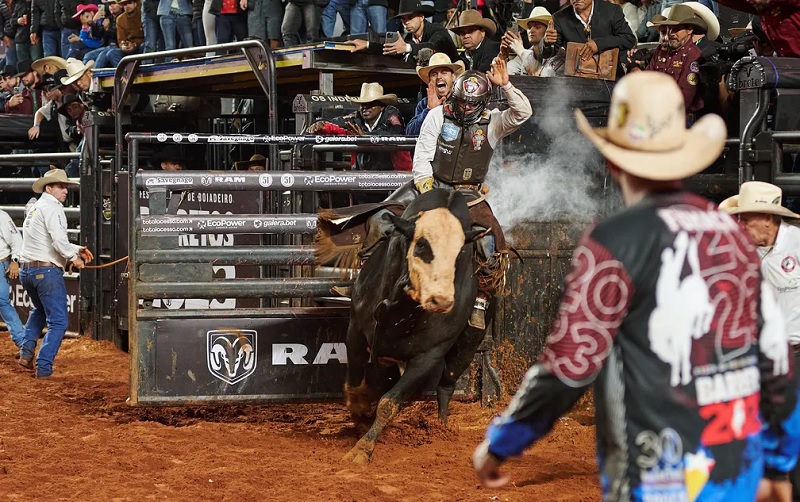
<point>210,25</point>
<point>264,19</point>
<point>175,19</point>
<point>171,158</point>
<point>109,28</point>
<point>364,12</point>
<point>598,25</point>
<point>130,33</point>
<point>91,35</point>
<point>257,162</point>
<point>7,83</point>
<point>153,38</point>
<point>448,20</point>
<point>231,22</point>
<point>65,9</point>
<point>634,12</point>
<point>297,13</point>
<point>198,33</point>
<point>44,25</point>
<point>49,65</point>
<point>780,21</point>
<point>7,32</point>
<point>376,115</point>
<point>24,99</point>
<point>21,11</point>
<point>52,100</point>
<point>646,32</point>
<point>475,31</point>
<point>682,60</point>
<point>419,34</point>
<point>438,76</point>
<point>78,74</point>
<point>334,7</point>
<point>528,61</point>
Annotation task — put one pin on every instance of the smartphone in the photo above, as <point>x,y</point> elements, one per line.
<point>391,37</point>
<point>102,10</point>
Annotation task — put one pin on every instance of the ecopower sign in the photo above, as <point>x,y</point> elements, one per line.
<point>283,359</point>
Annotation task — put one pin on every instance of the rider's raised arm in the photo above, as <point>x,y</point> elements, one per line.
<point>518,112</point>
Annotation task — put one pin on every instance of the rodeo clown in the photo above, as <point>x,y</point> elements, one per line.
<point>454,149</point>
<point>666,317</point>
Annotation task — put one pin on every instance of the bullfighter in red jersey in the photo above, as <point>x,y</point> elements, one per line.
<point>666,314</point>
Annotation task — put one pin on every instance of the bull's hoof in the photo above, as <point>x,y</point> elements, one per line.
<point>361,453</point>
<point>358,402</point>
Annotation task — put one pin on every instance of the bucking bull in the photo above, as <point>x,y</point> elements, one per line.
<point>410,305</point>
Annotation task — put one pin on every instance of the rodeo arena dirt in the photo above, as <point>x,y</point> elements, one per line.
<point>73,437</point>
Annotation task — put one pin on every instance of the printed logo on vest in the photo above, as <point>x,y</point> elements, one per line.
<point>467,174</point>
<point>477,139</point>
<point>449,132</point>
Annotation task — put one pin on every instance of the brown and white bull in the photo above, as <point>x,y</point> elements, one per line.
<point>410,307</point>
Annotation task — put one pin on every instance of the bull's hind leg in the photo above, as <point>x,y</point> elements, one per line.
<point>417,373</point>
<point>355,387</point>
<point>456,362</point>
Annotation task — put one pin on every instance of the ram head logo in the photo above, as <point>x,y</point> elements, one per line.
<point>231,354</point>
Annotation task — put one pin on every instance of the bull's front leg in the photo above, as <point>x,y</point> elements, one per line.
<point>456,362</point>
<point>355,387</point>
<point>417,373</point>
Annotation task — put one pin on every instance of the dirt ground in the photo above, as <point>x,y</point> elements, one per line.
<point>73,437</point>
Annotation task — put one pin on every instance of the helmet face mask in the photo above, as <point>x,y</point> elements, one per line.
<point>470,96</point>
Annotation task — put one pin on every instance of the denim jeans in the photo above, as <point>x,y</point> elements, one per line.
<point>11,55</point>
<point>29,51</point>
<point>363,12</point>
<point>114,54</point>
<point>7,310</point>
<point>51,42</point>
<point>153,38</point>
<point>48,294</point>
<point>229,26</point>
<point>174,26</point>
<point>341,7</point>
<point>98,56</point>
<point>264,19</point>
<point>66,45</point>
<point>293,17</point>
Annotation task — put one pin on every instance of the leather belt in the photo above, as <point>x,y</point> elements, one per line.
<point>476,187</point>
<point>32,264</point>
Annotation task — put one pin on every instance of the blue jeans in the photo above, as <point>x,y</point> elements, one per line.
<point>363,12</point>
<point>173,23</point>
<point>11,55</point>
<point>341,7</point>
<point>66,45</point>
<point>29,51</point>
<point>153,38</point>
<point>51,42</point>
<point>114,55</point>
<point>7,310</point>
<point>48,294</point>
<point>98,56</point>
<point>294,16</point>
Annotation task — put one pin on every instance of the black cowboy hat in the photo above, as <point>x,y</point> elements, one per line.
<point>170,153</point>
<point>57,79</point>
<point>408,7</point>
<point>23,67</point>
<point>68,100</point>
<point>46,81</point>
<point>9,70</point>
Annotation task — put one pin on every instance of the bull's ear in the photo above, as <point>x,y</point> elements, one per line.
<point>405,227</point>
<point>474,235</point>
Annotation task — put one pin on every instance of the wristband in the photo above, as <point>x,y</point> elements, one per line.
<point>36,125</point>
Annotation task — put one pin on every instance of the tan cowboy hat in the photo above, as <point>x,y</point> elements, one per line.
<point>707,15</point>
<point>538,14</point>
<point>52,176</point>
<point>659,17</point>
<point>650,140</point>
<point>59,63</point>
<point>373,91</point>
<point>75,70</point>
<point>255,160</point>
<point>472,17</point>
<point>681,14</point>
<point>439,60</point>
<point>757,197</point>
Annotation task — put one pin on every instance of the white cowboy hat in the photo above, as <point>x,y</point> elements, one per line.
<point>75,70</point>
<point>538,14</point>
<point>373,91</point>
<point>439,60</point>
<point>52,176</point>
<point>472,17</point>
<point>59,63</point>
<point>757,197</point>
<point>708,16</point>
<point>649,139</point>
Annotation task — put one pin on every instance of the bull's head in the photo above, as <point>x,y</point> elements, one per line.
<point>435,241</point>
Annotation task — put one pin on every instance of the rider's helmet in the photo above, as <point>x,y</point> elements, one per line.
<point>470,95</point>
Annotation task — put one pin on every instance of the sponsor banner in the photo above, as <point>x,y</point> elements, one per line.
<point>284,139</point>
<point>20,300</point>
<point>243,224</point>
<point>276,180</point>
<point>203,358</point>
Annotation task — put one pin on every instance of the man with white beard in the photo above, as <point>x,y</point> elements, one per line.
<point>439,76</point>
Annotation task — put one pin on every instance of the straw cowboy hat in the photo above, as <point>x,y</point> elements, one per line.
<point>707,15</point>
<point>660,17</point>
<point>75,70</point>
<point>439,60</point>
<point>471,17</point>
<point>681,14</point>
<point>59,63</point>
<point>52,176</point>
<point>650,140</point>
<point>81,8</point>
<point>408,7</point>
<point>757,197</point>
<point>373,91</point>
<point>255,160</point>
<point>538,14</point>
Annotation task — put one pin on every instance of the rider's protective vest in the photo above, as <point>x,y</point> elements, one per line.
<point>462,153</point>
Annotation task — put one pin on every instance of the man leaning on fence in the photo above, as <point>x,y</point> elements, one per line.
<point>46,250</point>
<point>10,249</point>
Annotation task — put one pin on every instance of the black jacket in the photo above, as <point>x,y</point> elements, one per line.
<point>7,21</point>
<point>65,9</point>
<point>434,37</point>
<point>482,56</point>
<point>609,29</point>
<point>21,8</point>
<point>43,16</point>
